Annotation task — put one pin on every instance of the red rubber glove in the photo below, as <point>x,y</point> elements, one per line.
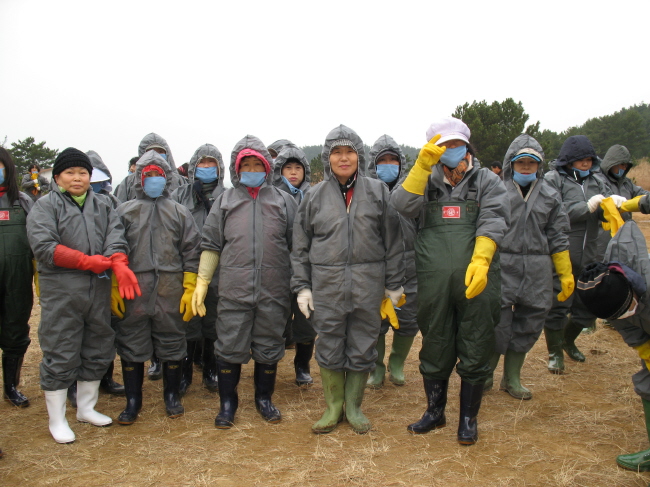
<point>73,259</point>
<point>126,280</point>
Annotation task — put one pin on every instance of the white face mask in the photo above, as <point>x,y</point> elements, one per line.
<point>629,312</point>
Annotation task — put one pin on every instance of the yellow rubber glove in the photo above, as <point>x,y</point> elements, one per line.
<point>387,310</point>
<point>207,266</point>
<point>612,215</point>
<point>37,285</point>
<point>644,353</point>
<point>563,268</point>
<point>476,277</point>
<point>416,181</point>
<point>189,283</point>
<point>117,303</point>
<point>632,205</point>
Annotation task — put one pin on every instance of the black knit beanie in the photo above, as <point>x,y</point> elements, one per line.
<point>71,157</point>
<point>604,292</point>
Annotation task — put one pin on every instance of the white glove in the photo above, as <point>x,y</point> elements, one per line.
<point>594,202</point>
<point>305,301</point>
<point>394,296</point>
<point>618,200</point>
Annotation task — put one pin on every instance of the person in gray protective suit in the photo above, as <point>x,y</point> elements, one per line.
<point>276,147</point>
<point>347,257</point>
<point>125,191</point>
<point>205,173</point>
<point>292,174</point>
<point>248,234</point>
<point>76,237</point>
<point>164,242</point>
<point>387,163</point>
<point>581,192</point>
<point>535,243</point>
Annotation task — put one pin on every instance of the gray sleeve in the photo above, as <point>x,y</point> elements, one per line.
<point>302,235</point>
<point>42,231</point>
<point>557,228</point>
<point>212,236</point>
<point>45,184</point>
<point>394,244</point>
<point>120,191</point>
<point>638,191</point>
<point>28,182</point>
<point>25,202</point>
<point>292,208</point>
<point>632,335</point>
<point>115,241</point>
<point>190,248</point>
<point>494,208</point>
<point>407,204</point>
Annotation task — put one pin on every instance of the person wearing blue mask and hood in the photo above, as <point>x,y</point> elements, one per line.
<point>387,163</point>
<point>164,242</point>
<point>535,243</point>
<point>248,234</point>
<point>205,172</point>
<point>581,192</point>
<point>292,174</point>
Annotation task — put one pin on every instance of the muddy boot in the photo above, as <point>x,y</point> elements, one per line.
<point>199,357</point>
<point>72,394</point>
<point>11,366</point>
<point>187,368</point>
<point>376,377</point>
<point>470,403</point>
<point>108,385</point>
<point>264,377</point>
<point>59,427</point>
<point>489,382</point>
<point>571,332</point>
<point>304,352</point>
<point>434,416</point>
<point>511,382</point>
<point>87,396</point>
<point>155,369</point>
<point>355,385</point>
<point>210,376</point>
<point>229,375</point>
<point>640,461</point>
<point>399,352</point>
<point>334,391</point>
<point>133,374</point>
<point>171,373</point>
<point>554,339</point>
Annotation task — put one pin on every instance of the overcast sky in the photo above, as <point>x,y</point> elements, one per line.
<point>101,75</point>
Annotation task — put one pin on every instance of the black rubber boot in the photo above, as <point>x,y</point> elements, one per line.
<point>229,375</point>
<point>264,376</point>
<point>72,394</point>
<point>554,341</point>
<point>133,374</point>
<point>108,385</point>
<point>470,403</point>
<point>11,366</point>
<point>171,372</point>
<point>571,332</point>
<point>155,369</point>
<point>198,355</point>
<point>210,376</point>
<point>304,352</point>
<point>434,416</point>
<point>187,367</point>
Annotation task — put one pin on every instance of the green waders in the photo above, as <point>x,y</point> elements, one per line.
<point>639,461</point>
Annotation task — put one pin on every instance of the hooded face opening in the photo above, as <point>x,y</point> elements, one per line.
<point>525,165</point>
<point>74,180</point>
<point>344,162</point>
<point>582,164</point>
<point>294,172</point>
<point>251,164</point>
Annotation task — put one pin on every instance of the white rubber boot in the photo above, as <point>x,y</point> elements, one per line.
<point>87,395</point>
<point>59,427</point>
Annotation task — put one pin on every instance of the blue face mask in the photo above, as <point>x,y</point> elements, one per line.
<point>252,179</point>
<point>164,156</point>
<point>619,174</point>
<point>97,187</point>
<point>583,174</point>
<point>387,172</point>
<point>206,174</point>
<point>2,176</point>
<point>523,179</point>
<point>452,157</point>
<point>154,185</point>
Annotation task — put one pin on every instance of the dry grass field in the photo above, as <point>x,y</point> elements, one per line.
<point>568,435</point>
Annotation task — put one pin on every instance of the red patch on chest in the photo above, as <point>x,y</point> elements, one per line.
<point>451,211</point>
<point>4,215</point>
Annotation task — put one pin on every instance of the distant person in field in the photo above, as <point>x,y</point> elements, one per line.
<point>535,244</point>
<point>34,184</point>
<point>496,168</point>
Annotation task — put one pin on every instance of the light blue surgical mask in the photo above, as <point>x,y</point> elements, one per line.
<point>523,179</point>
<point>154,186</point>
<point>583,174</point>
<point>387,172</point>
<point>164,156</point>
<point>252,179</point>
<point>2,176</point>
<point>292,188</point>
<point>619,174</point>
<point>97,187</point>
<point>206,174</point>
<point>452,157</point>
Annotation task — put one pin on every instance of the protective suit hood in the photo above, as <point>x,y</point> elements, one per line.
<point>575,148</point>
<point>616,154</point>
<point>249,142</point>
<point>383,143</point>
<point>279,145</point>
<point>523,141</point>
<point>291,152</point>
<point>206,150</point>
<point>155,139</point>
<point>98,163</point>
<point>151,157</point>
<point>342,132</point>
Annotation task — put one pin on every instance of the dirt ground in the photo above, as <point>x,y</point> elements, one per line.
<point>568,435</point>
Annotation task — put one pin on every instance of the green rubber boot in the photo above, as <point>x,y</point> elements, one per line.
<point>334,391</point>
<point>511,382</point>
<point>571,332</point>
<point>554,339</point>
<point>489,382</point>
<point>355,386</point>
<point>640,461</point>
<point>376,379</point>
<point>399,352</point>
